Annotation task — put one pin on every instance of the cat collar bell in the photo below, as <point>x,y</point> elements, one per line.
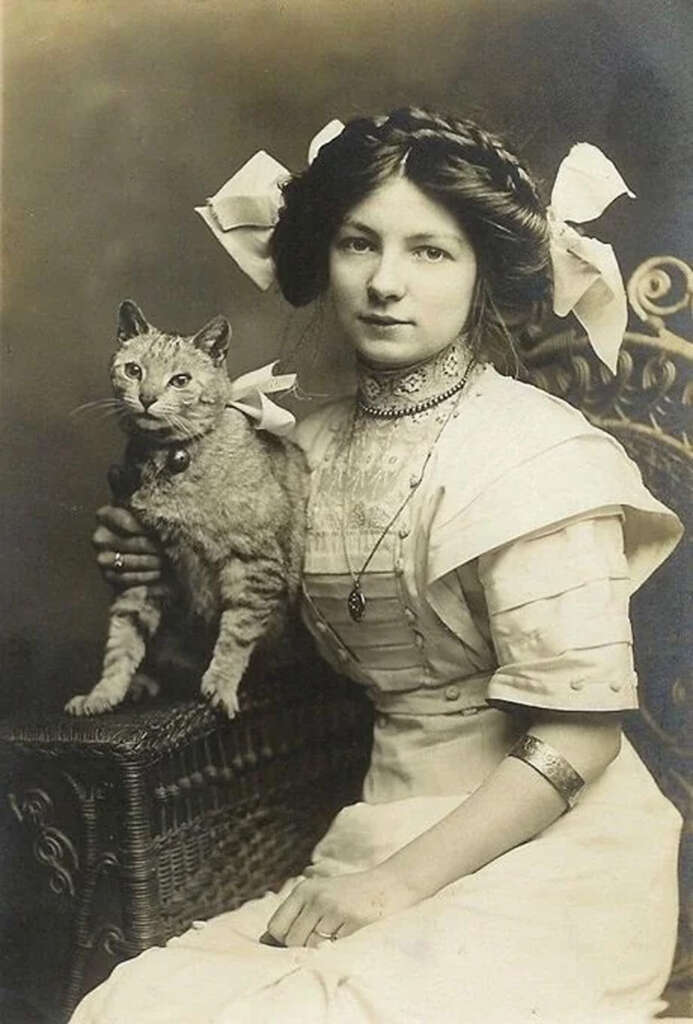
<point>178,460</point>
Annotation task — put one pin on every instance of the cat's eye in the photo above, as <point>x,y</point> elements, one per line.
<point>180,380</point>
<point>133,371</point>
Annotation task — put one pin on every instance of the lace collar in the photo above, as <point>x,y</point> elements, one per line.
<point>407,390</point>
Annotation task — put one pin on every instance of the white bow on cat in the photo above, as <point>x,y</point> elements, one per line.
<point>249,395</point>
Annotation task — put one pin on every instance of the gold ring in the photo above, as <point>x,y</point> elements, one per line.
<point>331,937</point>
<point>118,563</point>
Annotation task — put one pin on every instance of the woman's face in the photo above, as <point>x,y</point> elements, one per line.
<point>402,276</point>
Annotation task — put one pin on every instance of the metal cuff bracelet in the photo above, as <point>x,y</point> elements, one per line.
<point>552,765</point>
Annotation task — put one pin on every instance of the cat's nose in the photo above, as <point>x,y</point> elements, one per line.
<point>147,399</point>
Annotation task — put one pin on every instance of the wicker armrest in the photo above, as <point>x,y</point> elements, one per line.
<point>146,819</point>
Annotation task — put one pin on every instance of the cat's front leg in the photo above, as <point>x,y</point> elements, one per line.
<point>134,617</point>
<point>252,593</point>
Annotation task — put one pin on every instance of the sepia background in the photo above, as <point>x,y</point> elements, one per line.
<point>121,116</point>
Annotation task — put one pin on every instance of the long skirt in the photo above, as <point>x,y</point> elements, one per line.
<point>577,925</point>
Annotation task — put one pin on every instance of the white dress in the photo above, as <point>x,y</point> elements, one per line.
<point>503,586</point>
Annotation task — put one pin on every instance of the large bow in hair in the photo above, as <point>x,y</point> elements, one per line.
<point>244,211</point>
<point>587,279</point>
<point>248,393</point>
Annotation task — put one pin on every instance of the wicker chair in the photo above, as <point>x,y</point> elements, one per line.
<point>137,823</point>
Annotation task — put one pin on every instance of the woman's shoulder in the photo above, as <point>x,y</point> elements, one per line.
<point>502,422</point>
<point>511,401</point>
<point>521,460</point>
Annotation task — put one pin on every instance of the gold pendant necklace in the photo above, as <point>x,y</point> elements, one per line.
<point>356,599</point>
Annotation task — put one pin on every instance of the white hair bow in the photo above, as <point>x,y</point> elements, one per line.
<point>587,279</point>
<point>244,211</point>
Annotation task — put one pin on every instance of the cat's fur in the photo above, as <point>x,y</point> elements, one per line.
<point>230,523</point>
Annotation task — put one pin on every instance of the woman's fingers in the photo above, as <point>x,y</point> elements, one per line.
<point>327,929</point>
<point>120,530</point>
<point>119,520</point>
<point>303,927</point>
<point>130,579</point>
<point>285,915</point>
<point>302,920</point>
<point>104,539</point>
<point>131,563</point>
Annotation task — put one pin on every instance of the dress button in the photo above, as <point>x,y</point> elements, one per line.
<point>452,692</point>
<point>321,627</point>
<point>419,641</point>
<point>615,687</point>
<point>342,655</point>
<point>399,567</point>
<point>576,685</point>
<point>409,615</point>
<point>381,721</point>
<point>414,480</point>
<point>404,531</point>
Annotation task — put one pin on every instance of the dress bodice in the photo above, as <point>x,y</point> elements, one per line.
<point>503,584</point>
<point>428,686</point>
<point>400,650</point>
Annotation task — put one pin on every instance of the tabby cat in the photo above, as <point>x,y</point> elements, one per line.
<point>226,502</point>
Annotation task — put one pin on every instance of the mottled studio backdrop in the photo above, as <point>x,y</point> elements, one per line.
<point>121,115</point>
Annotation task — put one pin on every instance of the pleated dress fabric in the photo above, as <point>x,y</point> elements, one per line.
<point>502,587</point>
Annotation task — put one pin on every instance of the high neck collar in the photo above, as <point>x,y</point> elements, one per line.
<point>407,390</point>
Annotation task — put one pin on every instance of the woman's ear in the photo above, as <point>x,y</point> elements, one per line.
<point>130,321</point>
<point>214,339</point>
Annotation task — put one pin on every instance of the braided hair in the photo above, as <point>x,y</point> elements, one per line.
<point>454,162</point>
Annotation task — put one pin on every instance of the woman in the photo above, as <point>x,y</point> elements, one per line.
<point>473,543</point>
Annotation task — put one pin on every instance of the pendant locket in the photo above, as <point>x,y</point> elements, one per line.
<point>356,602</point>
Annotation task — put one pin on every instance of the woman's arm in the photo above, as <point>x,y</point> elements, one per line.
<point>511,806</point>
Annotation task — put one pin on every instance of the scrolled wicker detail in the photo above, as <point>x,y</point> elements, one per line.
<point>51,847</point>
<point>656,280</point>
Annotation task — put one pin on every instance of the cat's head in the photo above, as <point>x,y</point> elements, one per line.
<point>171,387</point>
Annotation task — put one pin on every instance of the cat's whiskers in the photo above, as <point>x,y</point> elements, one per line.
<point>97,405</point>
<point>108,414</point>
<point>180,426</point>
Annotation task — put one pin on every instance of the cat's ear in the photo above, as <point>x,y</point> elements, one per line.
<point>214,339</point>
<point>130,321</point>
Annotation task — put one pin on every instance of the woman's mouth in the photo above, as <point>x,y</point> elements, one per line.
<point>378,320</point>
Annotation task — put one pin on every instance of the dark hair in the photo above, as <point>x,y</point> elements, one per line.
<point>458,164</point>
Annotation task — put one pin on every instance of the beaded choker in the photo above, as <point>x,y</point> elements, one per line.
<point>405,391</point>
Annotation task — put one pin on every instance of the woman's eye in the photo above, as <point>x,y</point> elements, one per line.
<point>133,371</point>
<point>180,380</point>
<point>355,244</point>
<point>432,254</point>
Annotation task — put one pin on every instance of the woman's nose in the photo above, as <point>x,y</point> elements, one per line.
<point>387,280</point>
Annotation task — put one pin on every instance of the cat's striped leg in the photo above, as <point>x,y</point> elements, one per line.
<point>252,593</point>
<point>134,617</point>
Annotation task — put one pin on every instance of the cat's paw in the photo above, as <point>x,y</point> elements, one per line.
<point>90,704</point>
<point>218,692</point>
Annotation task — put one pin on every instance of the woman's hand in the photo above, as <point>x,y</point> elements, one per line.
<point>336,907</point>
<point>120,540</point>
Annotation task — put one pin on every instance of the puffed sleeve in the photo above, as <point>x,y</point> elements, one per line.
<point>558,612</point>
